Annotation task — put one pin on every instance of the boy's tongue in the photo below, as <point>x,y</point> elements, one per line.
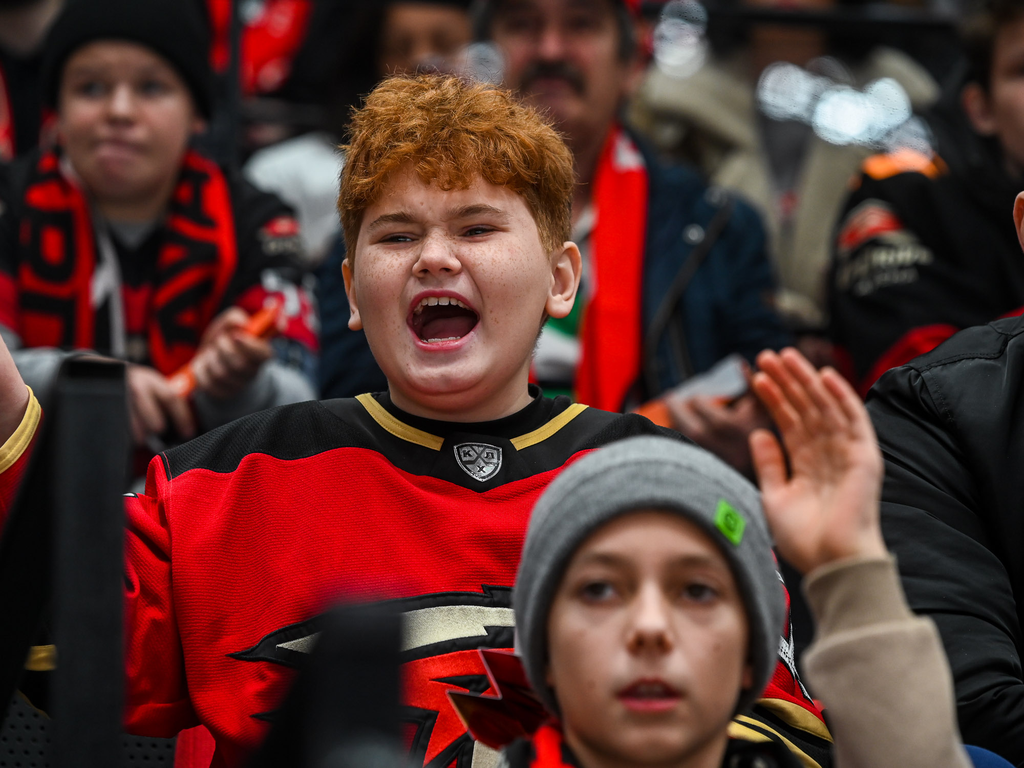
<point>446,323</point>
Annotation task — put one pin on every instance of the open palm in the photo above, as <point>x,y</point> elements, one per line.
<point>825,507</point>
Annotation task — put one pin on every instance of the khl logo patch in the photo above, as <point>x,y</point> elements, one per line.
<point>479,460</point>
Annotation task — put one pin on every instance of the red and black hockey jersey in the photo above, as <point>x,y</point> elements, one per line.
<point>248,534</point>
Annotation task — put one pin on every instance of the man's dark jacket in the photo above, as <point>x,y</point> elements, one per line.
<point>707,288</point>
<point>951,427</point>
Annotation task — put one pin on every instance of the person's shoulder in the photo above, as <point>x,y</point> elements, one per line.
<point>288,432</point>
<point>596,428</point>
<point>972,376</point>
<point>1001,342</point>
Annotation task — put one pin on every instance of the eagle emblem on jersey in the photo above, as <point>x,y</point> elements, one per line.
<point>440,637</point>
<point>479,460</point>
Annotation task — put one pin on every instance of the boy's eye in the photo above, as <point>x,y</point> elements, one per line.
<point>479,229</point>
<point>89,88</point>
<point>153,87</point>
<point>396,238</point>
<point>597,591</point>
<point>699,592</point>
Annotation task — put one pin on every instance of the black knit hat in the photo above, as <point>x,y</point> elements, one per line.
<point>172,28</point>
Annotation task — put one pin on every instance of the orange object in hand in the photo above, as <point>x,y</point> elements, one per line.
<point>262,325</point>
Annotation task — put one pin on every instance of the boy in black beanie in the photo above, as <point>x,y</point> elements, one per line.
<point>127,242</point>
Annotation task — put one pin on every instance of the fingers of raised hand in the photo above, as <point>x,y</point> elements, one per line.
<point>769,462</point>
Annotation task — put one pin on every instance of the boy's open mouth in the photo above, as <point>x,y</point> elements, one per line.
<point>442,318</point>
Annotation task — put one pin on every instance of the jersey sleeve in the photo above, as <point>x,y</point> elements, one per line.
<point>14,455</point>
<point>157,700</point>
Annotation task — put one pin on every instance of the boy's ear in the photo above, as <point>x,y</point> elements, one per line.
<point>976,104</point>
<point>566,270</point>
<point>354,321</point>
<point>748,676</point>
<point>1018,217</point>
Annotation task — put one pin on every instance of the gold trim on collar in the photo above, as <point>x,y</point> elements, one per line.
<point>398,428</point>
<point>19,442</point>
<point>748,729</point>
<point>541,434</point>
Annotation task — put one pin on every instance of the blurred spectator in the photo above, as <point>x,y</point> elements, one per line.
<point>125,242</point>
<point>795,174</point>
<point>951,431</point>
<point>23,27</point>
<point>927,245</point>
<point>675,273</point>
<point>407,35</point>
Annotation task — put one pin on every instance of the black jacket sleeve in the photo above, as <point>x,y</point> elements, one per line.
<point>948,428</point>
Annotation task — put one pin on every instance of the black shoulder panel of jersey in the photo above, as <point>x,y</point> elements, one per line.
<point>287,432</point>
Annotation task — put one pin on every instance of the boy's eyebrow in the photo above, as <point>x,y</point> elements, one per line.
<point>462,212</point>
<point>475,210</point>
<point>398,217</point>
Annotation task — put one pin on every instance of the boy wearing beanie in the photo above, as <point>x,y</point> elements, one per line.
<point>647,602</point>
<point>455,204</point>
<point>125,241</point>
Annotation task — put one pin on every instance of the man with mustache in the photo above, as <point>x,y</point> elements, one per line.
<point>675,273</point>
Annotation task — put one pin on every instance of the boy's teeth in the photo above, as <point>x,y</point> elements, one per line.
<point>450,338</point>
<point>438,301</point>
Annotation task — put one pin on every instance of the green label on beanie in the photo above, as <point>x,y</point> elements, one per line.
<point>730,522</point>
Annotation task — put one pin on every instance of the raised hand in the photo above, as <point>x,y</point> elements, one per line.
<point>825,508</point>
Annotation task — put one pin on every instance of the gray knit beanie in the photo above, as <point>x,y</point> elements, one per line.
<point>648,473</point>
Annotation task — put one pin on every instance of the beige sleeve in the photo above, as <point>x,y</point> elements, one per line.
<point>880,671</point>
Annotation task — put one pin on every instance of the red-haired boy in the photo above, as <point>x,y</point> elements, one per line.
<point>455,202</point>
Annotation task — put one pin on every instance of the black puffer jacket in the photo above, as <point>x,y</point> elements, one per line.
<point>951,427</point>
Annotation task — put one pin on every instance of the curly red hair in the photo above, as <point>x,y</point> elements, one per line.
<point>453,131</point>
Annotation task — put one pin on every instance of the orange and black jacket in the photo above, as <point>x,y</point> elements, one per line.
<point>926,246</point>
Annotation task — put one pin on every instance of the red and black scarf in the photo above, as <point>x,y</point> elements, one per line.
<point>58,257</point>
<point>611,332</point>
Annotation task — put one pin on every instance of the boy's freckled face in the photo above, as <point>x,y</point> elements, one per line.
<point>451,288</point>
<point>647,641</point>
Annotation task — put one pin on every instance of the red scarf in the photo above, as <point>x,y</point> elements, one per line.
<point>611,333</point>
<point>547,745</point>
<point>58,257</point>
